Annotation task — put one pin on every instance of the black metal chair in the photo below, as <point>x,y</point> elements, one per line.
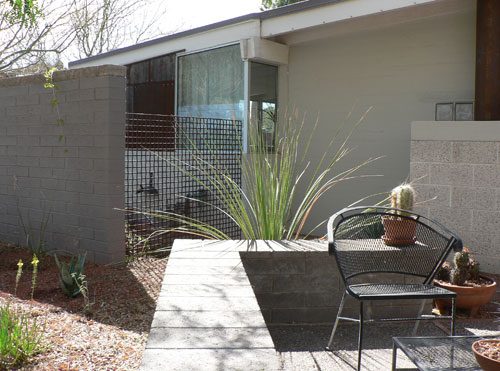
<point>370,263</point>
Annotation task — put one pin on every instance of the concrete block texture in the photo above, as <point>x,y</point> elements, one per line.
<point>62,170</point>
<point>431,151</point>
<point>475,152</point>
<point>451,174</point>
<point>466,187</point>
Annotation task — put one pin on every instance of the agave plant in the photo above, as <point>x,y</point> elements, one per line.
<point>266,206</point>
<point>71,276</point>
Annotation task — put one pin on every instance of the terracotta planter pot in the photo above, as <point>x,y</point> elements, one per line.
<point>467,297</point>
<point>486,363</point>
<point>398,231</point>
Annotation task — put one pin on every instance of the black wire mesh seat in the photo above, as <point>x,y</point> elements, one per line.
<point>388,254</point>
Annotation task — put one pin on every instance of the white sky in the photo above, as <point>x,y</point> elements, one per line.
<point>196,13</point>
<point>183,15</point>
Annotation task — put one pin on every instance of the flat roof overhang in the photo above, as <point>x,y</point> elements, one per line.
<point>290,25</point>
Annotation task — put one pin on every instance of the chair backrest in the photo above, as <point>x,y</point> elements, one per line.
<point>361,240</point>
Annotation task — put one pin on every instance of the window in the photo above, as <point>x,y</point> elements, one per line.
<point>211,84</point>
<point>263,99</point>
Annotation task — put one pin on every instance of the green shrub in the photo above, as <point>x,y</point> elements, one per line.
<point>20,337</point>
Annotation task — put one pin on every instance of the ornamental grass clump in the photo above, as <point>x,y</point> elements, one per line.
<point>266,206</point>
<point>21,337</point>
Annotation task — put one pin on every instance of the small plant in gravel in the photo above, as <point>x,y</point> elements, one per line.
<point>18,275</point>
<point>71,276</point>
<point>20,337</point>
<point>34,263</point>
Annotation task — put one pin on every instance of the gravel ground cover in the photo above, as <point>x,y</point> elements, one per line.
<point>111,335</point>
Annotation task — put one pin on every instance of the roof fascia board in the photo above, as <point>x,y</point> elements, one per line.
<point>378,21</point>
<point>297,7</point>
<point>274,22</point>
<point>210,38</point>
<point>330,13</point>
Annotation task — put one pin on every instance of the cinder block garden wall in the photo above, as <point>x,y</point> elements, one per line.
<point>294,287</point>
<point>71,173</point>
<point>458,163</point>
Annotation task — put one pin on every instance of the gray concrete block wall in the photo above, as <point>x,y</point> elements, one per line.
<point>306,287</point>
<point>458,164</point>
<point>72,173</point>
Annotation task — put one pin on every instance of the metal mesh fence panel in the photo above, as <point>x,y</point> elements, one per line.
<point>167,158</point>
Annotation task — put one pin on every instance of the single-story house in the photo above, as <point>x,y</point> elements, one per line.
<point>411,60</point>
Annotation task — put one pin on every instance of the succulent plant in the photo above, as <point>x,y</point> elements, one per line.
<point>465,268</point>
<point>71,276</point>
<point>402,197</point>
<point>444,273</point>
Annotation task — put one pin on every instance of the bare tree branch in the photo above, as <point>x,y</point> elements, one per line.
<point>24,43</point>
<point>104,25</point>
<point>75,28</point>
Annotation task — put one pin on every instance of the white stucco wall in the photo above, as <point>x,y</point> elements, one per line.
<point>402,71</point>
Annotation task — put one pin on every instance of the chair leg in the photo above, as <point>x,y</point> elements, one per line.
<point>421,309</point>
<point>360,336</point>
<point>453,304</point>
<point>341,307</point>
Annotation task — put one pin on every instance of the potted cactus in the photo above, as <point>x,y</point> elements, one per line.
<point>473,289</point>
<point>400,227</point>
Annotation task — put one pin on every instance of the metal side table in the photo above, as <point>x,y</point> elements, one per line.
<point>439,352</point>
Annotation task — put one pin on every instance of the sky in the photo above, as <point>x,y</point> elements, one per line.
<point>187,14</point>
<point>183,15</point>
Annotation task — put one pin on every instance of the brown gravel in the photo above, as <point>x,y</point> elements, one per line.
<point>488,348</point>
<point>111,336</point>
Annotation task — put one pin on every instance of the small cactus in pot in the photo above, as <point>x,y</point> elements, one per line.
<point>403,197</point>
<point>463,277</point>
<point>400,228</point>
<point>466,268</point>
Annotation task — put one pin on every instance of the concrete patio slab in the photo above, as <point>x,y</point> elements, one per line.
<point>208,290</point>
<point>200,269</point>
<point>207,319</point>
<point>207,316</point>
<point>205,262</point>
<point>221,279</point>
<point>206,303</point>
<point>210,359</point>
<point>195,254</point>
<point>222,338</point>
